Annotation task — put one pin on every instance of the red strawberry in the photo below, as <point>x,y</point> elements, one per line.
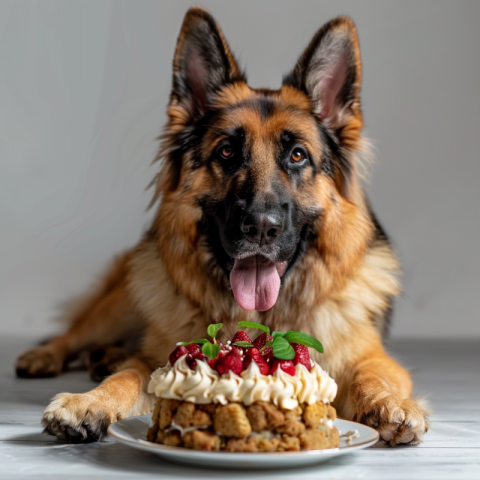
<point>194,354</point>
<point>212,362</point>
<point>253,354</point>
<point>267,353</point>
<point>232,361</point>
<point>195,351</point>
<point>260,341</point>
<point>286,365</point>
<point>301,355</point>
<point>241,337</point>
<point>177,353</point>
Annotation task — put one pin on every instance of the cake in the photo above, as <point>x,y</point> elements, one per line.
<point>265,395</point>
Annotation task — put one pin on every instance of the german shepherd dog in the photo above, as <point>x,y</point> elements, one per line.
<point>261,217</point>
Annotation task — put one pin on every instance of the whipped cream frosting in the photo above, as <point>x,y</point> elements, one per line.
<point>204,385</point>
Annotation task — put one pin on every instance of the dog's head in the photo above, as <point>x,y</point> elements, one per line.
<point>263,175</point>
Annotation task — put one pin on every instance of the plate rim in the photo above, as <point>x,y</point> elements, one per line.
<point>166,448</point>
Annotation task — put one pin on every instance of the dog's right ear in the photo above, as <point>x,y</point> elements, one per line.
<point>203,63</point>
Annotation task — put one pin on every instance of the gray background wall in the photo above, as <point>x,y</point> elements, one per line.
<point>83,89</point>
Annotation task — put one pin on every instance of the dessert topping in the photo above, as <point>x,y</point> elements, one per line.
<point>260,341</point>
<point>212,362</point>
<point>177,353</point>
<point>232,361</point>
<point>267,353</point>
<point>301,355</point>
<point>286,365</point>
<point>204,385</point>
<point>282,350</point>
<point>253,354</point>
<point>241,336</point>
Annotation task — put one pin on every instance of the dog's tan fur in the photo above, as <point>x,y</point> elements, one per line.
<point>338,293</point>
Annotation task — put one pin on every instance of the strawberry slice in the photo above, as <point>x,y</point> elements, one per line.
<point>232,361</point>
<point>241,337</point>
<point>267,354</point>
<point>253,354</point>
<point>286,365</point>
<point>194,351</point>
<point>194,354</point>
<point>301,355</point>
<point>260,341</point>
<point>177,353</point>
<point>212,362</point>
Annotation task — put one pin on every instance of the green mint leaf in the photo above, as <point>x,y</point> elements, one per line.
<point>276,333</point>
<point>269,343</point>
<point>254,325</point>
<point>243,344</point>
<point>210,350</point>
<point>213,329</point>
<point>198,340</point>
<point>303,339</point>
<point>282,349</point>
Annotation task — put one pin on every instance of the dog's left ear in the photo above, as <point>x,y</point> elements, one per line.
<point>330,73</point>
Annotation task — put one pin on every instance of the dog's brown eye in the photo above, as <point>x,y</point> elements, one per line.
<point>297,155</point>
<point>226,152</point>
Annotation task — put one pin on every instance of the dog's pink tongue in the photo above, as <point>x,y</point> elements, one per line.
<point>255,283</point>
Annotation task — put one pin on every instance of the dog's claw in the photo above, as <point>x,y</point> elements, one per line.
<point>76,418</point>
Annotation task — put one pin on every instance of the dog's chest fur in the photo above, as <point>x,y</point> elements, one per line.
<point>344,321</point>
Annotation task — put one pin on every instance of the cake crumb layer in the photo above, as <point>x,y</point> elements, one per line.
<point>261,427</point>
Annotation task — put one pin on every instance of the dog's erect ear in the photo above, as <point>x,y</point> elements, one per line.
<point>330,72</point>
<point>202,64</point>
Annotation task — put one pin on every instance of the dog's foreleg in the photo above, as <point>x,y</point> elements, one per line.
<point>103,317</point>
<point>380,396</point>
<point>84,417</point>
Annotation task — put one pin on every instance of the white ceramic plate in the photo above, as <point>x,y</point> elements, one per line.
<point>132,431</point>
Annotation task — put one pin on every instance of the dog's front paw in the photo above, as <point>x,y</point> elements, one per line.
<point>39,362</point>
<point>397,421</point>
<point>78,417</point>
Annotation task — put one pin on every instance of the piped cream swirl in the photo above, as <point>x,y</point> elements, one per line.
<point>204,385</point>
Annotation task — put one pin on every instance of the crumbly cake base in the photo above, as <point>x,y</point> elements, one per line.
<point>261,427</point>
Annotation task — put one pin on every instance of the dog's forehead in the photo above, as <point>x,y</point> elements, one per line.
<point>263,116</point>
<point>263,112</point>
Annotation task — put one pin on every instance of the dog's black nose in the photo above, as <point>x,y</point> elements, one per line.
<point>262,228</point>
